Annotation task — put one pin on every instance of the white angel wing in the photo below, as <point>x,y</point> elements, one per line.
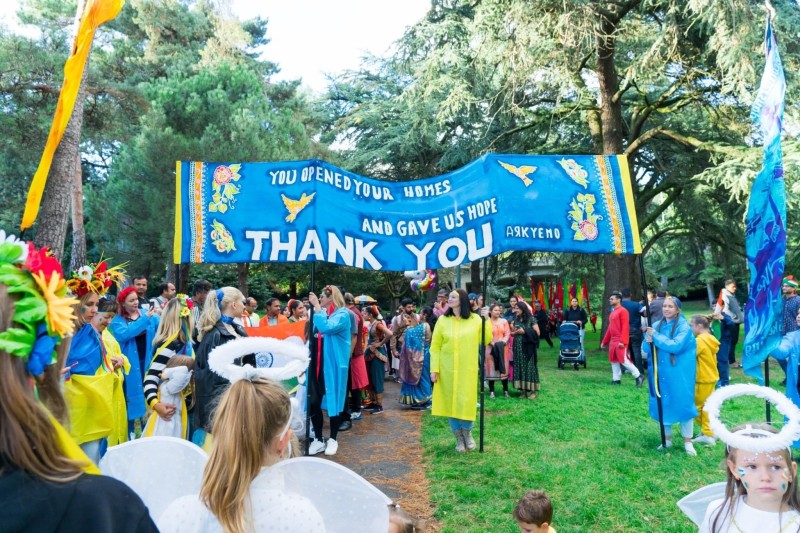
<point>346,501</point>
<point>694,505</point>
<point>158,469</point>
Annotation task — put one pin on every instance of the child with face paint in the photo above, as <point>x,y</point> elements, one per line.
<point>761,490</point>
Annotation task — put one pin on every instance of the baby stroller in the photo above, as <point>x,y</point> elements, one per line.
<point>570,350</point>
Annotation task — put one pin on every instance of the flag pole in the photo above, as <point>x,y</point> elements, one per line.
<point>308,369</point>
<point>482,353</point>
<point>654,359</point>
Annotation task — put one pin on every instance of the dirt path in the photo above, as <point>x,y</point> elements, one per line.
<point>385,449</point>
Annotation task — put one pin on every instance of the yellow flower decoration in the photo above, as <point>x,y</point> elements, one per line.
<point>60,313</point>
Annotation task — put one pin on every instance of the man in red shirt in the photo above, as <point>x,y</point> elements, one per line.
<point>616,339</point>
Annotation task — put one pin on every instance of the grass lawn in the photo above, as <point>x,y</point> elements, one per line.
<point>590,446</point>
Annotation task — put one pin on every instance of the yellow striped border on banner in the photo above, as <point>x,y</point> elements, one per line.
<point>627,186</point>
<point>177,243</point>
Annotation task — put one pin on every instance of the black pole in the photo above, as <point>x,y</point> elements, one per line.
<point>482,354</point>
<point>766,383</point>
<point>308,370</point>
<point>654,358</point>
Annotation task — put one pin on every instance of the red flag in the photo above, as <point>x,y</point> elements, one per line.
<point>560,294</point>
<point>586,296</point>
<point>551,294</point>
<point>573,291</point>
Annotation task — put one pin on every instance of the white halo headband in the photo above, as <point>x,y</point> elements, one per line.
<point>284,359</point>
<point>769,442</point>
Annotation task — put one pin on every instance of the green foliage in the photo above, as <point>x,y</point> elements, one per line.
<point>513,77</point>
<point>209,99</point>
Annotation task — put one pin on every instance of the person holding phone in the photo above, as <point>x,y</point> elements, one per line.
<point>134,328</point>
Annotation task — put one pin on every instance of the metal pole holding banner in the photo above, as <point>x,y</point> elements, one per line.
<point>655,389</point>
<point>766,383</point>
<point>308,370</point>
<point>482,352</point>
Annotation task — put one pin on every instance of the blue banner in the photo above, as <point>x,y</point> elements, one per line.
<point>298,211</point>
<point>765,234</point>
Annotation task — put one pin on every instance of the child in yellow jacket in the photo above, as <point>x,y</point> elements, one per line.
<point>707,374</point>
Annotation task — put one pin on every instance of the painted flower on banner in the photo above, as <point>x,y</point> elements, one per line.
<point>584,219</point>
<point>225,190</point>
<point>221,237</point>
<point>575,171</point>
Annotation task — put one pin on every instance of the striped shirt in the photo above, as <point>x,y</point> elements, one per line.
<point>153,377</point>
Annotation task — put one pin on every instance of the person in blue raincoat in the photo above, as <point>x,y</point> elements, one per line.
<point>134,329</point>
<point>332,322</point>
<point>676,351</point>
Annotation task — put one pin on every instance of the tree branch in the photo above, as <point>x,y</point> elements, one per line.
<point>653,215</point>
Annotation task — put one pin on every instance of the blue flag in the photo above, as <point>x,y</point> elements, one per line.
<point>765,234</point>
<point>298,211</point>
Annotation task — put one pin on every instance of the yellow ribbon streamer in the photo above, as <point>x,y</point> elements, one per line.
<point>96,13</point>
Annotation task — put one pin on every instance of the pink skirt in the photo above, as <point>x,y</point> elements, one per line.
<point>358,372</point>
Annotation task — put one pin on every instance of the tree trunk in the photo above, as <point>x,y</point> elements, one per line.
<point>183,278</point>
<point>54,214</point>
<point>476,283</point>
<point>78,257</point>
<point>242,273</point>
<point>620,270</point>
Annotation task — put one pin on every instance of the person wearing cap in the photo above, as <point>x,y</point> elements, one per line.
<point>473,302</point>
<point>440,306</point>
<point>617,338</point>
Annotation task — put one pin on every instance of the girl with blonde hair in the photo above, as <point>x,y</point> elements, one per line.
<point>172,338</point>
<point>238,493</point>
<point>216,326</point>
<point>43,484</point>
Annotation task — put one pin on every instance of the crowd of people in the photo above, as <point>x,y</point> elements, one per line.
<point>137,367</point>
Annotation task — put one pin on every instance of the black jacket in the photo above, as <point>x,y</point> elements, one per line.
<point>209,386</point>
<point>573,315</point>
<point>87,504</point>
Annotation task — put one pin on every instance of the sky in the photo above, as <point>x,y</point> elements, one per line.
<point>309,38</point>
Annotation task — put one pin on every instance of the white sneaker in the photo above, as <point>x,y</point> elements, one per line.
<point>689,447</point>
<point>316,447</point>
<point>669,445</point>
<point>332,447</point>
<point>705,439</point>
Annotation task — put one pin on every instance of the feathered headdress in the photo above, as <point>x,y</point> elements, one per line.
<point>43,313</point>
<point>97,278</point>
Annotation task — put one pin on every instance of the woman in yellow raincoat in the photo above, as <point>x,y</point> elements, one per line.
<point>92,377</point>
<point>454,365</point>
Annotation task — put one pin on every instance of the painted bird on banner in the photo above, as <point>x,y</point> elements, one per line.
<point>295,206</point>
<point>520,172</point>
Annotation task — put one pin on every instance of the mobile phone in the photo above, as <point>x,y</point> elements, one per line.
<point>152,305</point>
